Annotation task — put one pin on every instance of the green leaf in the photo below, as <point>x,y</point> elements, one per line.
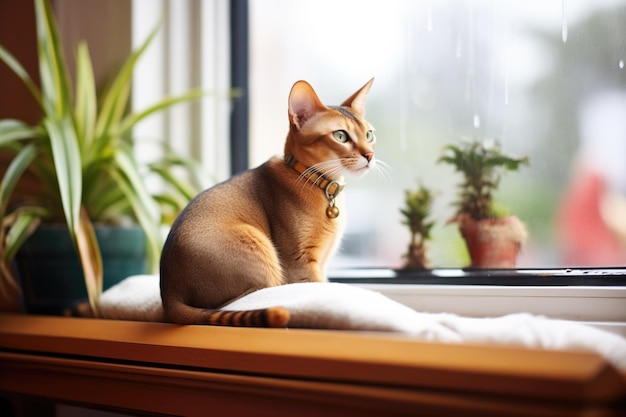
<point>146,220</point>
<point>170,207</point>
<point>52,68</point>
<point>130,181</point>
<point>21,224</point>
<point>13,173</point>
<point>67,163</point>
<point>165,172</point>
<point>132,119</point>
<point>106,202</point>
<point>116,98</point>
<point>200,179</point>
<point>13,130</point>
<point>170,202</point>
<point>16,67</point>
<point>90,258</point>
<point>86,106</point>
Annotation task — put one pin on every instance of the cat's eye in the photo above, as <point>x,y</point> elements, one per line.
<point>369,136</point>
<point>340,136</point>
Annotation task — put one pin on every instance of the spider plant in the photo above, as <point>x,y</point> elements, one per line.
<point>81,157</point>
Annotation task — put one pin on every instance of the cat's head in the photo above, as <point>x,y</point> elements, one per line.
<point>335,140</point>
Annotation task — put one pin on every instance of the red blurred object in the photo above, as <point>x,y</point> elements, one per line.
<point>586,239</point>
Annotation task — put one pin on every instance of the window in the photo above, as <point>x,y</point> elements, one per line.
<point>526,76</point>
<point>545,81</point>
<point>527,87</point>
<point>191,50</point>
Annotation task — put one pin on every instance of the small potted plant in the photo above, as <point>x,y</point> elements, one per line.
<point>417,206</point>
<point>76,169</point>
<point>493,239</point>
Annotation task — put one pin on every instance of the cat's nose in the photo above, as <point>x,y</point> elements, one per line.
<point>369,156</point>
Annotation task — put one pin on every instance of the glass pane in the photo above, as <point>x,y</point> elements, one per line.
<point>545,81</point>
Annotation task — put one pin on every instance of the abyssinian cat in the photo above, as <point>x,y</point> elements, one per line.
<point>276,224</point>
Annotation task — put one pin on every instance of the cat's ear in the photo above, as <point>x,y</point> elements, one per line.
<point>303,103</point>
<point>358,99</point>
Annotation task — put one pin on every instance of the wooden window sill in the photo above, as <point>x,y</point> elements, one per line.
<point>200,370</point>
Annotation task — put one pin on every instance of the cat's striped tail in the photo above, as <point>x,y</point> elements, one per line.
<point>179,312</point>
<point>266,317</point>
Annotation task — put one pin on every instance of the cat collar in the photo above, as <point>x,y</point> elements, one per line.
<point>331,188</point>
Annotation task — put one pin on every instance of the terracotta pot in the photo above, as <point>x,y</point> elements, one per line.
<point>493,243</point>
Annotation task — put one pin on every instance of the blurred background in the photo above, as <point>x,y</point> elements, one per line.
<point>547,81</point>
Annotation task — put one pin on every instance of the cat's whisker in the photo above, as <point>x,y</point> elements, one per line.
<point>384,175</point>
<point>317,168</point>
<point>329,168</point>
<point>337,170</point>
<point>306,175</point>
<point>331,163</point>
<point>383,170</point>
<point>304,179</point>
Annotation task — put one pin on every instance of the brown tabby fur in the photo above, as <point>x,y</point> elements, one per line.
<point>267,226</point>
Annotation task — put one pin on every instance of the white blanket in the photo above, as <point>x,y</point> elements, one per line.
<point>347,307</point>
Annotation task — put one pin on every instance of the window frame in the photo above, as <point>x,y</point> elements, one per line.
<point>600,307</point>
<point>540,277</point>
<point>593,296</point>
<point>239,82</point>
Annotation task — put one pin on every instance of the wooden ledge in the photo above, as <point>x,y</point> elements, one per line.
<point>163,368</point>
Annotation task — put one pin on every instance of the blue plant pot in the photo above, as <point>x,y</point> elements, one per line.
<point>50,273</point>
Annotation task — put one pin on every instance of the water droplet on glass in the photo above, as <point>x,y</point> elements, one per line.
<point>621,64</point>
<point>476,121</point>
<point>506,89</point>
<point>564,24</point>
<point>429,23</point>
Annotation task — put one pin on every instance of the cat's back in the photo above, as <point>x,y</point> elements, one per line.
<point>236,199</point>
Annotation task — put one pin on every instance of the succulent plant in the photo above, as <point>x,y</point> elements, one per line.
<point>416,210</point>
